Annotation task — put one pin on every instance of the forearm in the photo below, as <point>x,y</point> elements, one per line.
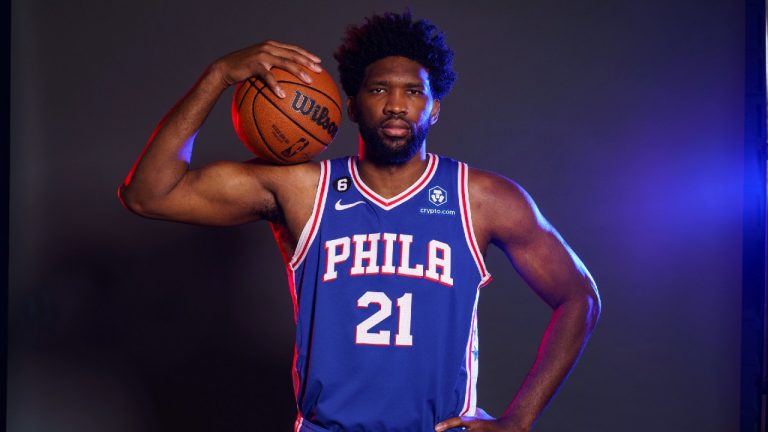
<point>563,341</point>
<point>165,159</point>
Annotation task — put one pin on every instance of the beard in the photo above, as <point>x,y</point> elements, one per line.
<point>385,151</point>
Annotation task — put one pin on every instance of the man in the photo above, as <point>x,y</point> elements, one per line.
<point>384,250</point>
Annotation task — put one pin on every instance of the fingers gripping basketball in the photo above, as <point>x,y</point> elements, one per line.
<point>287,130</point>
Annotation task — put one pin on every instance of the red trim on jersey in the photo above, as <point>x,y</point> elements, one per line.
<point>298,423</point>
<point>466,219</point>
<point>295,375</point>
<point>389,203</point>
<point>296,380</point>
<point>306,238</point>
<point>294,371</point>
<point>317,213</point>
<point>292,288</point>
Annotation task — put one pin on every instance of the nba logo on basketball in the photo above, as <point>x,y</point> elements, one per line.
<point>437,196</point>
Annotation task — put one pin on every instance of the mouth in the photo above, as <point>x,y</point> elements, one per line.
<point>395,128</point>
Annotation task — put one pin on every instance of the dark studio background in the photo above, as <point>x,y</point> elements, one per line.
<point>623,119</point>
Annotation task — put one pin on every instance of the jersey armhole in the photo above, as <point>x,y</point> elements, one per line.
<point>313,223</point>
<point>466,222</point>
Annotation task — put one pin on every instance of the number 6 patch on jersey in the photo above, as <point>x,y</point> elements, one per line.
<point>341,184</point>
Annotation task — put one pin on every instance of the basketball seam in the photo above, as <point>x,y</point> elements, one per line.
<point>252,85</point>
<point>258,129</point>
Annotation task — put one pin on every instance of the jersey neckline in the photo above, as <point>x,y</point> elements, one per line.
<point>390,203</point>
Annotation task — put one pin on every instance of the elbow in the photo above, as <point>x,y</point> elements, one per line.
<point>594,311</point>
<point>581,308</point>
<point>583,305</point>
<point>593,307</point>
<point>130,201</point>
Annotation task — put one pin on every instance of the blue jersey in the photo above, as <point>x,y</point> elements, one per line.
<point>385,297</point>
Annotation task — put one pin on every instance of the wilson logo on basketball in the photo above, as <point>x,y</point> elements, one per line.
<point>306,106</point>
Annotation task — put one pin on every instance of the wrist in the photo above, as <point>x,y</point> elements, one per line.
<point>216,76</point>
<point>514,424</point>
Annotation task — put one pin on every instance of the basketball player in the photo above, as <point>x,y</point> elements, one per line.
<point>384,250</point>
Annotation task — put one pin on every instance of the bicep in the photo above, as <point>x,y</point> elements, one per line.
<point>547,264</point>
<point>534,247</point>
<point>221,193</point>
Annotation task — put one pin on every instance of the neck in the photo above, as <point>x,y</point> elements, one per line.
<point>390,180</point>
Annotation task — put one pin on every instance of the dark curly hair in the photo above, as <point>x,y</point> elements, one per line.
<point>395,35</point>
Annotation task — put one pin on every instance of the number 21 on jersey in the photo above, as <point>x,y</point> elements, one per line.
<point>365,336</point>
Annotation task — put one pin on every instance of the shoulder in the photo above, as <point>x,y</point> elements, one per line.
<point>486,185</point>
<point>502,211</point>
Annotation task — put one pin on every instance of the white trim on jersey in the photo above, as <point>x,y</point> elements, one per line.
<point>310,228</point>
<point>390,203</point>
<point>472,365</point>
<point>466,222</point>
<point>307,235</point>
<point>298,422</point>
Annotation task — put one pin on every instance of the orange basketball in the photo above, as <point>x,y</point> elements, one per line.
<point>293,129</point>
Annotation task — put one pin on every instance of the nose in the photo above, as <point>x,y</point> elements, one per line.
<point>395,104</point>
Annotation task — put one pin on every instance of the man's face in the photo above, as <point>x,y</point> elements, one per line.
<point>394,109</point>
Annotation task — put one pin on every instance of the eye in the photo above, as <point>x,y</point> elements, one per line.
<point>415,91</point>
<point>376,90</point>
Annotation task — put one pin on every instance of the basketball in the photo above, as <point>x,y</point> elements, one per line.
<point>290,130</point>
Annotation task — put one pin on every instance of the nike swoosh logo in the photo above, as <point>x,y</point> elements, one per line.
<point>339,206</point>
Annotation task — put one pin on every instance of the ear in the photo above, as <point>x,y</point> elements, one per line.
<point>352,109</point>
<point>435,112</point>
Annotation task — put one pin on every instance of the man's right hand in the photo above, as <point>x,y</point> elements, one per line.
<point>258,60</point>
<point>161,185</point>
